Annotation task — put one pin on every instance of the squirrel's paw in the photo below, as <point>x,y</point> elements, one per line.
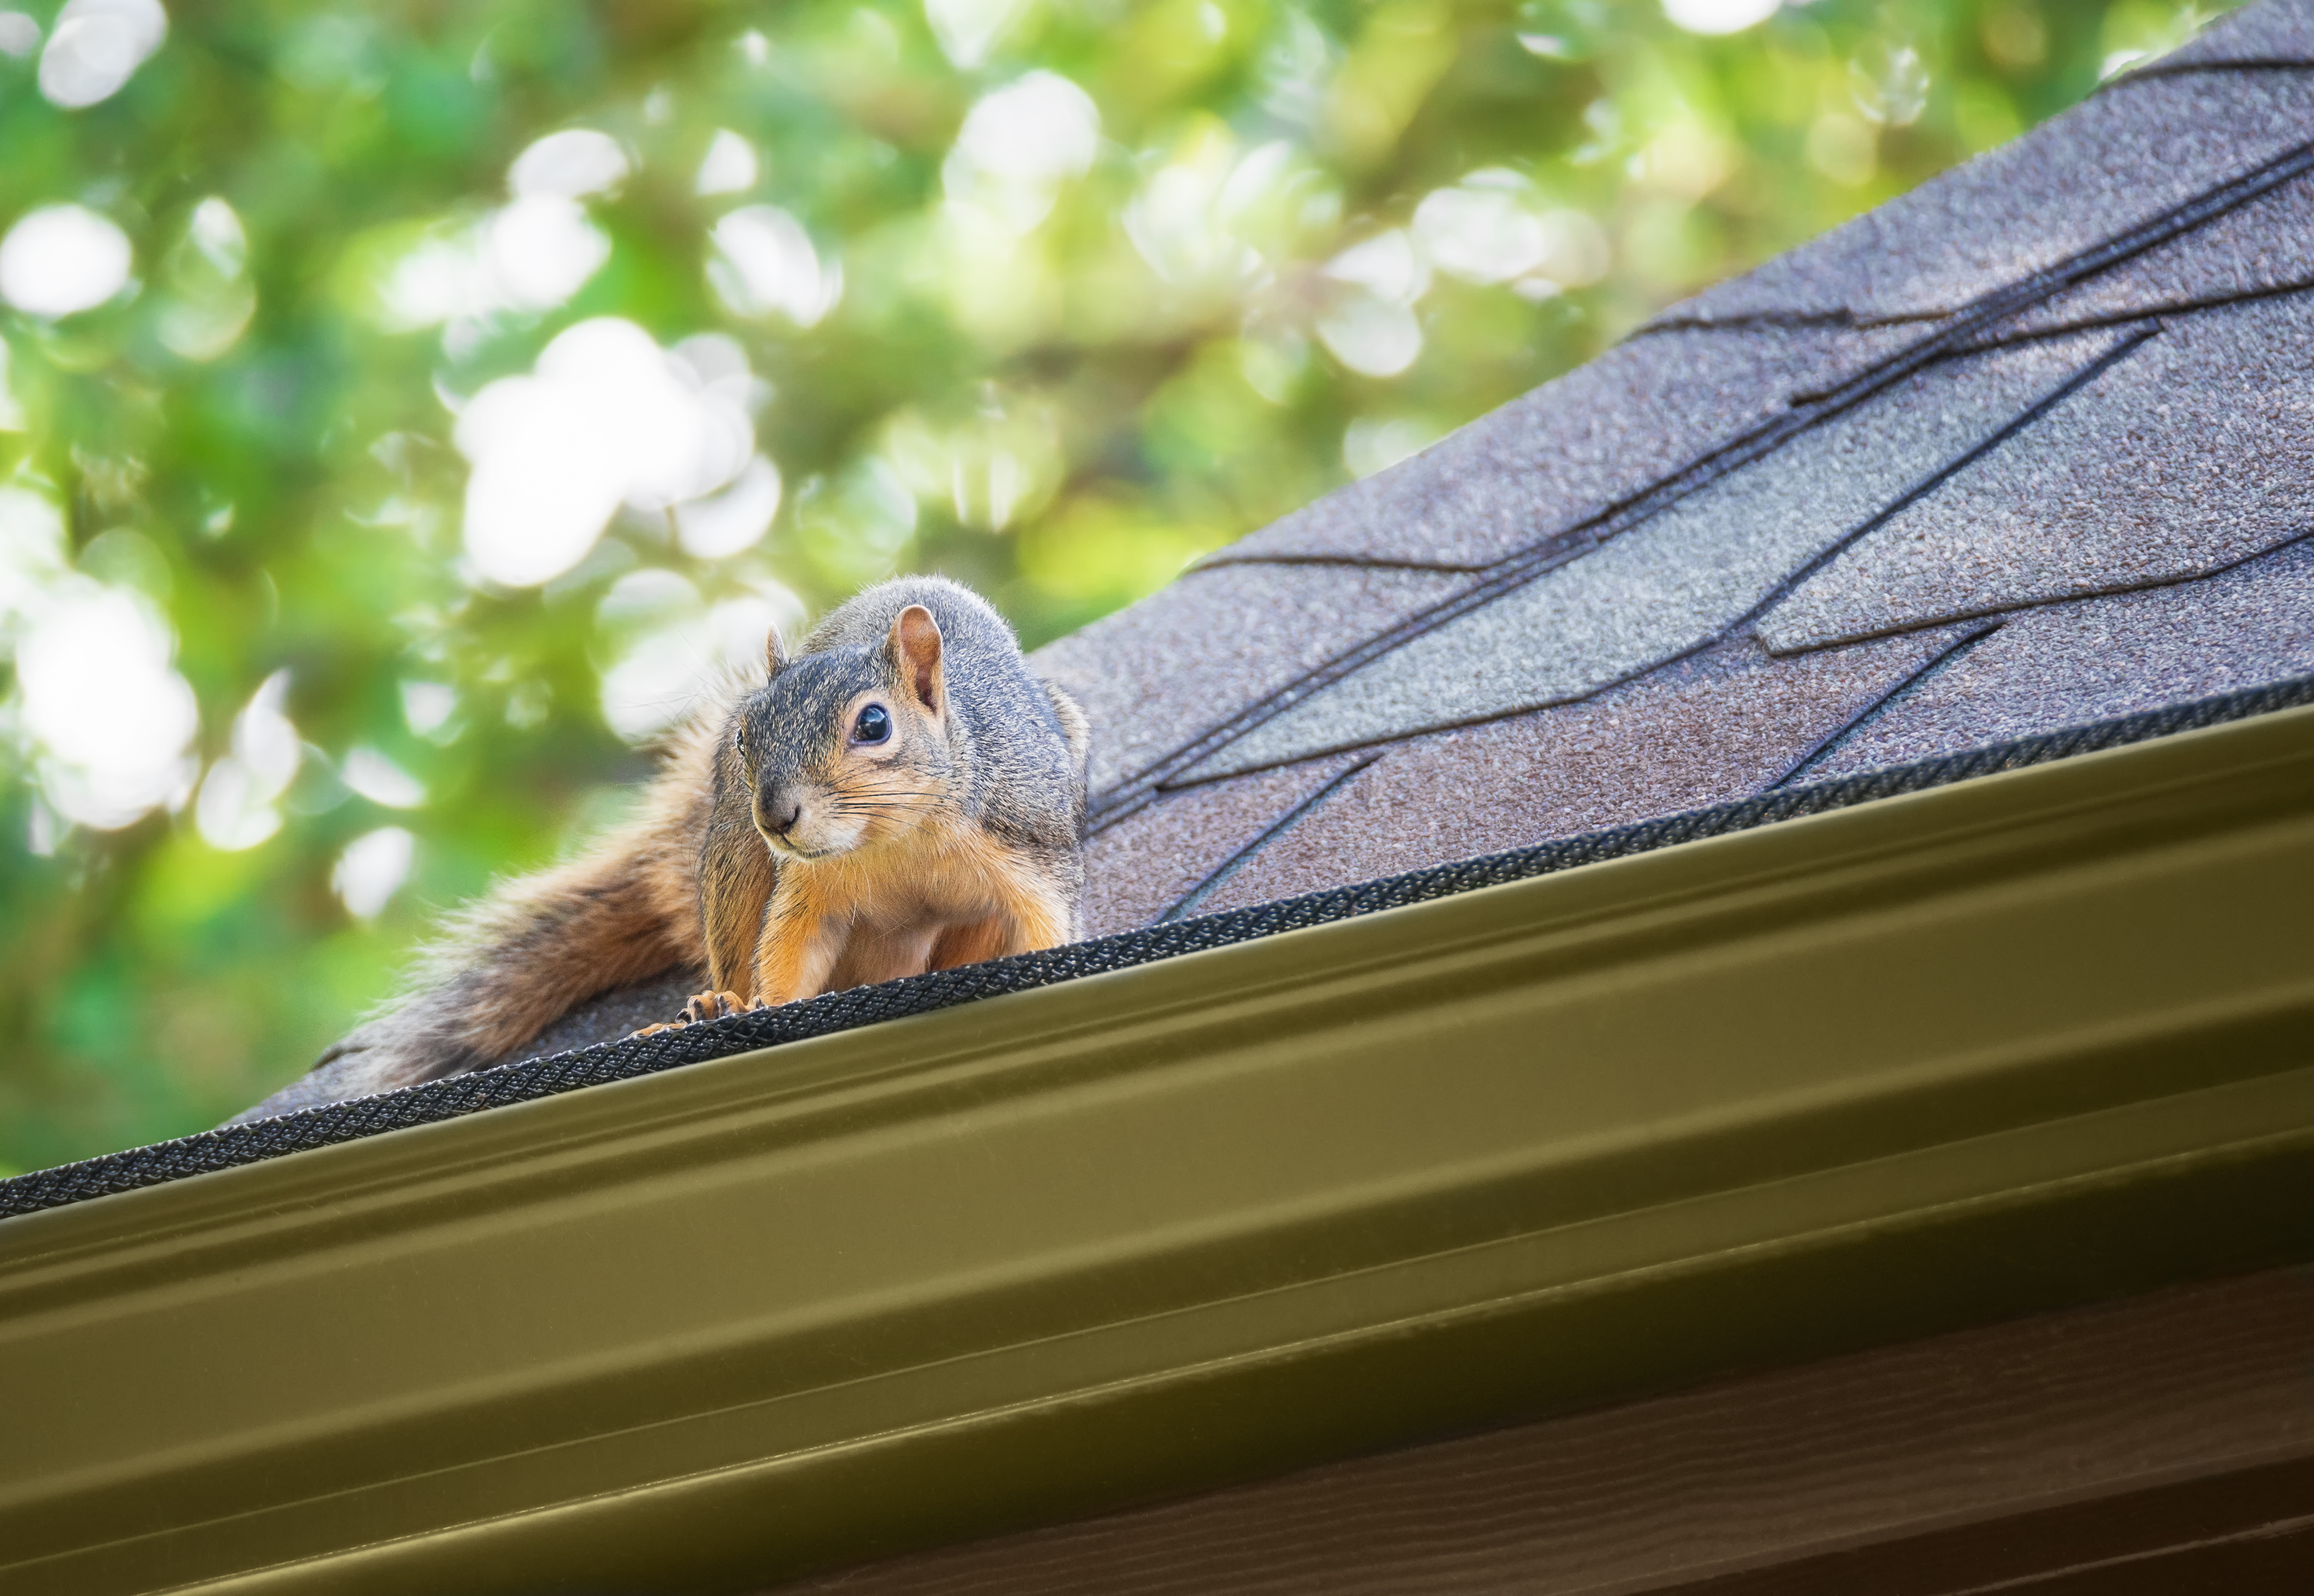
<point>702,1006</point>
<point>713,1005</point>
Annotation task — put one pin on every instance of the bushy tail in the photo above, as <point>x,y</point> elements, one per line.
<point>624,912</point>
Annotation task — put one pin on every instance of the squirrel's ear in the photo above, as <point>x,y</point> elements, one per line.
<point>774,659</point>
<point>916,654</point>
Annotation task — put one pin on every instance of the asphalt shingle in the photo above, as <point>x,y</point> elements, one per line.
<point>618,1014</point>
<point>2134,151</point>
<point>2260,247</point>
<point>1676,582</point>
<point>1544,464</point>
<point>2192,454</point>
<point>1723,725</point>
<point>1154,677</point>
<point>1145,863</point>
<point>2076,663</point>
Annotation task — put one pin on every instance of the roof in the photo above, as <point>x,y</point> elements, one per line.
<point>2025,448</point>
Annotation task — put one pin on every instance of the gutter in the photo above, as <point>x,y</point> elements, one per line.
<point>2021,1042</point>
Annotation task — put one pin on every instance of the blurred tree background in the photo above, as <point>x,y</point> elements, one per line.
<point>403,406</point>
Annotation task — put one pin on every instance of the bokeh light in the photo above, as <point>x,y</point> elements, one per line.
<point>730,166</point>
<point>372,869</point>
<point>95,46</point>
<point>1018,144</point>
<point>608,419</point>
<point>765,264</point>
<point>109,723</point>
<point>1719,16</point>
<point>236,809</point>
<point>62,258</point>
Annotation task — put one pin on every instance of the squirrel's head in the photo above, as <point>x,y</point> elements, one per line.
<point>849,746</point>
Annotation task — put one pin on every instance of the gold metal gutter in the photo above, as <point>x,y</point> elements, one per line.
<point>2019,1042</point>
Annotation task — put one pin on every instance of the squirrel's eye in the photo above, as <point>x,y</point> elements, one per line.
<point>873,726</point>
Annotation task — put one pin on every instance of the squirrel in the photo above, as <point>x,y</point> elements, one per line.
<point>903,794</point>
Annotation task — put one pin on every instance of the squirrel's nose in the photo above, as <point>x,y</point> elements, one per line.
<point>782,817</point>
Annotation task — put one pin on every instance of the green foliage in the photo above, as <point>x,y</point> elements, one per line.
<point>1307,240</point>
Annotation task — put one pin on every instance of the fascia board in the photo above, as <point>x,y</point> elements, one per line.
<point>2019,1042</point>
